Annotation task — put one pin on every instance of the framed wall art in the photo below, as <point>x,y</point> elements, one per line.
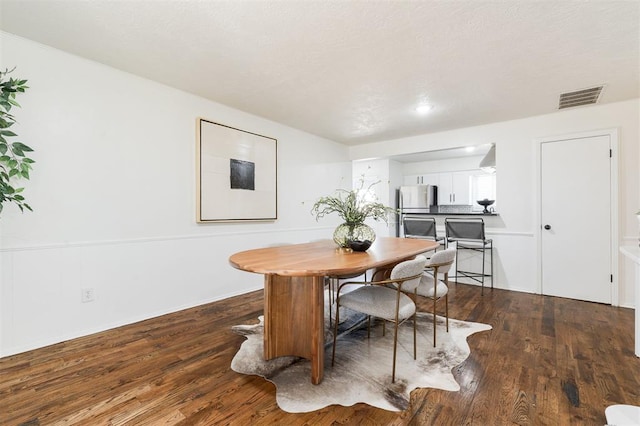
<point>237,174</point>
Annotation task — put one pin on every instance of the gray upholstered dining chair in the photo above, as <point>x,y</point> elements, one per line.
<point>333,282</point>
<point>432,287</point>
<point>375,298</point>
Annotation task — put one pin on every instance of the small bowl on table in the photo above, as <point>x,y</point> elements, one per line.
<point>360,245</point>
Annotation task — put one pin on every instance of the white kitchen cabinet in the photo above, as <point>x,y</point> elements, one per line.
<point>454,188</point>
<point>425,179</point>
<point>431,179</point>
<point>411,180</point>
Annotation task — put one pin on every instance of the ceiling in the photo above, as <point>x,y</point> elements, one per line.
<point>354,71</point>
<point>443,154</point>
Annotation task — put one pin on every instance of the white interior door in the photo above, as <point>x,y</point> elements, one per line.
<point>576,218</point>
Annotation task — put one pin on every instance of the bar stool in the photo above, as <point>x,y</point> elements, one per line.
<point>468,234</point>
<point>423,228</point>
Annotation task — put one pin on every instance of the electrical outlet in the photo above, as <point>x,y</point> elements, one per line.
<point>88,295</point>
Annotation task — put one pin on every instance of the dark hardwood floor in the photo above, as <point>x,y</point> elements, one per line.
<point>547,361</point>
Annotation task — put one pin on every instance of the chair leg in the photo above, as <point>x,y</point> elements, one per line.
<point>491,254</point>
<point>335,330</point>
<point>482,282</point>
<point>457,262</point>
<point>395,346</point>
<point>434,321</point>
<point>446,309</point>
<point>415,354</point>
<point>368,326</point>
<point>334,289</point>
<point>330,302</point>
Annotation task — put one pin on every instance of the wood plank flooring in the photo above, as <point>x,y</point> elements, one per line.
<point>547,361</point>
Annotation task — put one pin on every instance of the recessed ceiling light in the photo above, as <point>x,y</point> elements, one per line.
<point>470,148</point>
<point>423,109</point>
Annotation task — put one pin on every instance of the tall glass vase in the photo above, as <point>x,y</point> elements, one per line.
<point>347,233</point>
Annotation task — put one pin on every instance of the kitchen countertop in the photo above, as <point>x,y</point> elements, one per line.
<point>453,214</point>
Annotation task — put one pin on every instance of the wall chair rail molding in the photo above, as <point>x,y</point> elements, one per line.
<point>236,174</point>
<point>295,234</point>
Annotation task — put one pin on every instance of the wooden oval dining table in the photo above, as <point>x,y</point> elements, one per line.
<point>294,288</point>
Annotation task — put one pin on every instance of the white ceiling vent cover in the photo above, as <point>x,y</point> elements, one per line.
<point>580,97</point>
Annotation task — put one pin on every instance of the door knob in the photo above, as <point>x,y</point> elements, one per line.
<point>547,227</point>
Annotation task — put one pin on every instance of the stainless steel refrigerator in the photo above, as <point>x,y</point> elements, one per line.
<point>418,199</point>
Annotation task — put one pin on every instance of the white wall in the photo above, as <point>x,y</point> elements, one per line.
<point>389,174</point>
<point>514,230</point>
<point>113,192</point>
<point>114,199</point>
<point>446,165</point>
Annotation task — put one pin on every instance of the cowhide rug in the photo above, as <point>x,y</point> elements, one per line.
<point>362,371</point>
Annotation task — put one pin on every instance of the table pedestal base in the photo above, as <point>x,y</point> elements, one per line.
<point>294,320</point>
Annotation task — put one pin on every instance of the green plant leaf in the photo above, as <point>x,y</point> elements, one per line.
<point>21,147</point>
<point>13,162</point>
<point>352,206</point>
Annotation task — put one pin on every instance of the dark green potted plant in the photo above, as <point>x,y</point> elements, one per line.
<point>14,163</point>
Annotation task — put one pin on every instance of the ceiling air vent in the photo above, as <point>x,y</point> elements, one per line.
<point>580,97</point>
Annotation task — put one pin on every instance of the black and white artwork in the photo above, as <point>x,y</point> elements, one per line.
<point>237,174</point>
<point>243,174</point>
